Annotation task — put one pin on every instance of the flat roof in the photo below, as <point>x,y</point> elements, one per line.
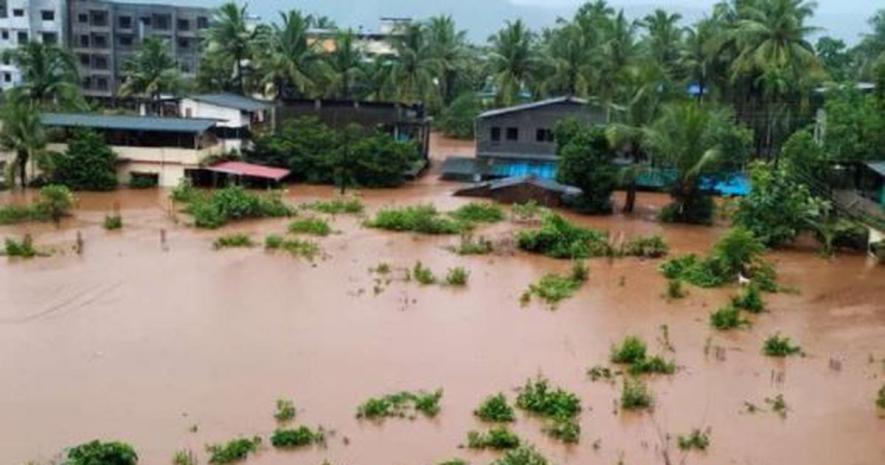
<point>229,100</point>
<point>129,123</point>
<point>532,105</point>
<point>240,168</point>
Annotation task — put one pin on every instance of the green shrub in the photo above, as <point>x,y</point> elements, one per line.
<point>750,300</point>
<point>454,462</point>
<point>12,214</point>
<point>184,191</point>
<point>291,438</point>
<point>523,455</point>
<point>113,222</point>
<point>54,202</point>
<point>232,451</point>
<point>728,317</point>
<point>233,203</point>
<point>22,249</point>
<point>599,372</point>
<point>184,457</point>
<point>102,453</point>
<point>635,395</point>
<point>526,211</point>
<point>314,226</point>
<point>457,276</point>
<point>630,351</point>
<point>696,440</point>
<point>565,429</point>
<point>232,240</point>
<point>647,247</point>
<point>296,247</point>
<point>401,404</point>
<point>557,405</point>
<point>737,252</point>
<point>880,401</point>
<point>580,272</point>
<point>654,364</point>
<point>553,288</point>
<point>337,206</point>
<point>675,289</point>
<point>141,181</point>
<point>424,219</point>
<point>780,346</point>
<point>285,410</point>
<point>495,409</point>
<point>479,212</point>
<point>88,163</point>
<point>423,274</point>
<point>473,246</point>
<point>428,402</point>
<point>273,242</point>
<point>498,438</point>
<point>558,238</point>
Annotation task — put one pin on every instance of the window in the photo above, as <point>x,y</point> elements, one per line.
<point>7,77</point>
<point>184,25</point>
<point>125,40</point>
<point>83,18</point>
<point>101,83</point>
<point>162,22</point>
<point>84,60</point>
<point>512,133</point>
<point>47,15</point>
<point>496,134</point>
<point>84,41</point>
<point>50,38</point>
<point>22,37</point>
<point>18,12</point>
<point>544,135</point>
<point>100,41</point>
<point>183,43</point>
<point>100,62</point>
<point>202,22</point>
<point>125,22</point>
<point>87,82</point>
<point>99,18</point>
<point>4,34</point>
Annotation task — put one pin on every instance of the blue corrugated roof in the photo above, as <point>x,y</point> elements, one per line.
<point>232,101</point>
<point>131,123</point>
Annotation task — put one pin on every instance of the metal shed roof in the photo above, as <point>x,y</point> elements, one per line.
<point>250,170</point>
<point>532,105</point>
<point>228,100</point>
<point>878,167</point>
<point>131,123</point>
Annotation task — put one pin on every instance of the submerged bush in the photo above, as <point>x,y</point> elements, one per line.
<point>498,438</point>
<point>401,405</point>
<point>473,246</point>
<point>552,289</point>
<point>314,226</point>
<point>523,455</point>
<point>698,439</point>
<point>285,410</point>
<point>635,395</point>
<point>558,406</point>
<point>526,211</point>
<point>22,249</point>
<point>232,451</point>
<point>780,346</point>
<point>232,240</point>
<point>102,453</point>
<point>675,290</point>
<point>750,300</point>
<point>338,206</point>
<point>479,212</point>
<point>457,276</point>
<point>654,364</point>
<point>559,238</point>
<point>291,438</point>
<point>647,247</point>
<point>727,318</point>
<point>113,222</point>
<point>296,247</point>
<point>52,204</point>
<point>229,204</point>
<point>631,350</point>
<point>423,219</point>
<point>495,409</point>
<point>880,401</point>
<point>184,457</point>
<point>423,274</point>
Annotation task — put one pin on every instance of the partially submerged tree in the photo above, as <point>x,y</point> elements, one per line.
<point>87,164</point>
<point>22,133</point>
<point>586,162</point>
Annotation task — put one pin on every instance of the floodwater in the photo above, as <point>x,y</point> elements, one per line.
<point>134,342</point>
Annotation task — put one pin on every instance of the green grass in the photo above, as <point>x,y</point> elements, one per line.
<point>424,219</point>
<point>560,407</point>
<point>232,451</point>
<point>750,300</point>
<point>473,246</point>
<point>12,214</point>
<point>727,318</point>
<point>645,247</point>
<point>298,437</point>
<point>552,289</point>
<point>635,395</point>
<point>296,247</point>
<point>21,249</point>
<point>522,455</point>
<point>232,240</point>
<point>558,238</point>
<point>285,410</point>
<point>631,350</point>
<point>313,226</point>
<point>479,212</point>
<point>780,346</point>
<point>423,274</point>
<point>184,457</point>
<point>675,289</point>
<point>495,409</point>
<point>528,211</point>
<point>401,405</point>
<point>457,276</point>
<point>698,439</point>
<point>350,205</point>
<point>736,252</point>
<point>215,209</point>
<point>497,438</point>
<point>654,364</point>
<point>880,400</point>
<point>52,204</point>
<point>113,222</point>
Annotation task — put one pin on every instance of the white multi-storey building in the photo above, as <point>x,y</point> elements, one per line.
<point>28,20</point>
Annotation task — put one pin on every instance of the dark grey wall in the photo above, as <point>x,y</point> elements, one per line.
<point>528,122</point>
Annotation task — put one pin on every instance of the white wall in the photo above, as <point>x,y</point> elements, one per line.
<point>33,25</point>
<point>230,117</point>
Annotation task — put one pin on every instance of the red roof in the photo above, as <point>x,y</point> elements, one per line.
<point>248,169</point>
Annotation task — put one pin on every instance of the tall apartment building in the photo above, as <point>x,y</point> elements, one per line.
<point>26,20</point>
<point>103,35</point>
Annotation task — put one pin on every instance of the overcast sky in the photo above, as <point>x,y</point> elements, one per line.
<point>845,19</point>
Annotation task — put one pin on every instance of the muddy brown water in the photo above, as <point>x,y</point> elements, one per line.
<point>131,342</point>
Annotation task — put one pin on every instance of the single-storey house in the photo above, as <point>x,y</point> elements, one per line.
<point>238,117</point>
<point>163,149</point>
<point>522,189</point>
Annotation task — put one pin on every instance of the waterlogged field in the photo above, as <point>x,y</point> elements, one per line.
<point>178,345</point>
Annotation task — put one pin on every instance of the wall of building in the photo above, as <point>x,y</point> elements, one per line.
<point>527,123</point>
<point>228,117</point>
<point>28,20</point>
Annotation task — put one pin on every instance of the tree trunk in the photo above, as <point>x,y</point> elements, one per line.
<point>23,168</point>
<point>630,202</point>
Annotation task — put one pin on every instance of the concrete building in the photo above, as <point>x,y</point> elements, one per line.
<point>22,21</point>
<point>103,35</point>
<point>371,43</point>
<point>238,117</point>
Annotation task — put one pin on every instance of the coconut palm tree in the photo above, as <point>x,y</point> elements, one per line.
<point>49,74</point>
<point>233,37</point>
<point>412,68</point>
<point>152,72</point>
<point>22,133</point>
<point>619,56</point>
<point>345,65</point>
<point>288,62</point>
<point>447,47</point>
<point>664,38</point>
<point>569,62</point>
<point>512,61</point>
<point>696,57</point>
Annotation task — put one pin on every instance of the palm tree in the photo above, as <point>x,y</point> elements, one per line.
<point>289,62</point>
<point>447,47</point>
<point>697,55</point>
<point>232,37</point>
<point>664,38</point>
<point>411,70</point>
<point>152,72</point>
<point>619,54</point>
<point>569,62</point>
<point>512,61</point>
<point>376,80</point>
<point>22,133</point>
<point>345,67</point>
<point>49,74</point>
